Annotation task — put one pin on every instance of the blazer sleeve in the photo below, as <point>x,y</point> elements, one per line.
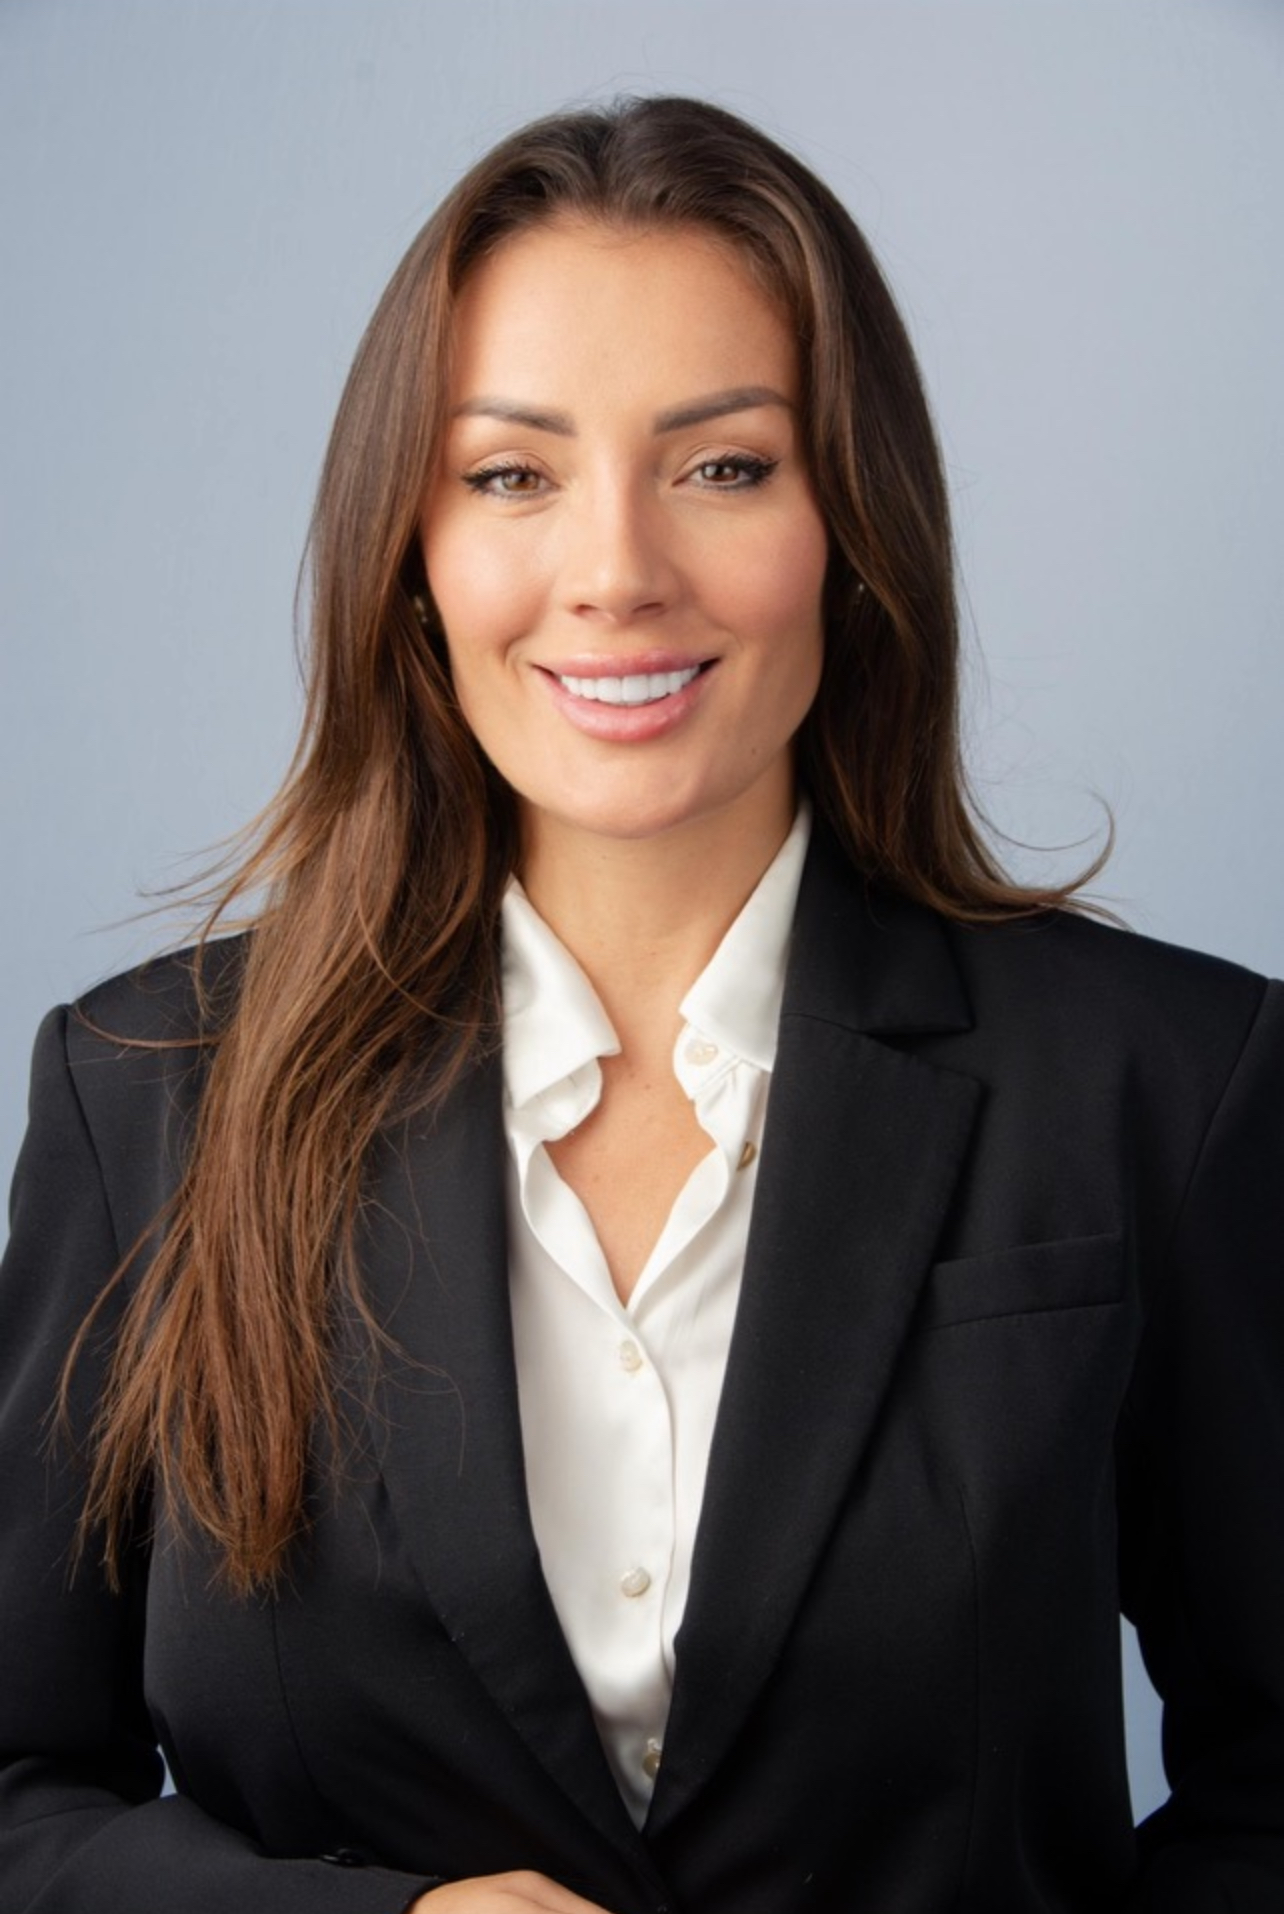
<point>84,1828</point>
<point>1202,1507</point>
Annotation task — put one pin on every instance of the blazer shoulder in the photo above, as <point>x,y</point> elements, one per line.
<point>1061,987</point>
<point>180,998</point>
<point>125,1066</point>
<point>1109,979</point>
<point>139,1044</point>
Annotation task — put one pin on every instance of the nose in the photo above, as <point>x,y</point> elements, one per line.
<point>618,564</point>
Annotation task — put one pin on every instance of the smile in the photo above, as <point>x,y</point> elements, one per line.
<point>639,688</point>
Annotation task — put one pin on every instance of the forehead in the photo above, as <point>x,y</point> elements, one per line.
<point>577,300</point>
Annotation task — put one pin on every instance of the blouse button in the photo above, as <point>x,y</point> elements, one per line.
<point>630,1356</point>
<point>700,1051</point>
<point>634,1582</point>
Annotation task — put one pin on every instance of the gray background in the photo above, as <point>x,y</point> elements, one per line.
<point>1078,203</point>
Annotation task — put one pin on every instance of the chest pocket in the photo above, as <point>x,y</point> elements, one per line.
<point>1078,1272</point>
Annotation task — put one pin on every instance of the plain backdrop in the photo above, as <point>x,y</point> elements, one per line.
<point>1080,206</point>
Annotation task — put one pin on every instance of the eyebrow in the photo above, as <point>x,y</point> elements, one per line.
<point>714,405</point>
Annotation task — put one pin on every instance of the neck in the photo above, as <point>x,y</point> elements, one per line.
<point>642,917</point>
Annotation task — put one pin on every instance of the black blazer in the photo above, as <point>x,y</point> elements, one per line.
<point>1010,1353</point>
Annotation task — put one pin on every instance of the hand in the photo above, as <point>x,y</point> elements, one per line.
<point>522,1893</point>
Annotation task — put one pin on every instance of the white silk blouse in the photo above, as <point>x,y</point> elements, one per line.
<point>618,1400</point>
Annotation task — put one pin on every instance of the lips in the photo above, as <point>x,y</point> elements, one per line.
<point>645,697</point>
<point>645,687</point>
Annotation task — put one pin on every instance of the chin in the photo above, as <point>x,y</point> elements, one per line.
<point>626,816</point>
<point>631,824</point>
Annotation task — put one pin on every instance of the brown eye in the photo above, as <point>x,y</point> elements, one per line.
<point>737,473</point>
<point>505,481</point>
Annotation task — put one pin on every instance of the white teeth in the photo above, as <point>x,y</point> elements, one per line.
<point>642,688</point>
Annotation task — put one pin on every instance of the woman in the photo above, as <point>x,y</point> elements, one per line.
<point>662,1302</point>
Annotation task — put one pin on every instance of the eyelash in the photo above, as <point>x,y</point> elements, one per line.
<point>750,473</point>
<point>484,480</point>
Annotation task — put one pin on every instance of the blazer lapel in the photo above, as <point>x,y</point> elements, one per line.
<point>447,1430</point>
<point>862,1149</point>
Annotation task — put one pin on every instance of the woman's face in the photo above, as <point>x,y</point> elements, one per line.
<point>621,538</point>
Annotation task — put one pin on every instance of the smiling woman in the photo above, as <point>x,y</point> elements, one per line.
<point>624,1345</point>
<point>624,548</point>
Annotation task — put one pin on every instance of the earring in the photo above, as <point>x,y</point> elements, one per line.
<point>422,610</point>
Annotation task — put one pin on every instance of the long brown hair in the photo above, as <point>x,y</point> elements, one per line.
<point>372,973</point>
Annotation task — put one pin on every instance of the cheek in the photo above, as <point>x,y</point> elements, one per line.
<point>781,592</point>
<point>483,596</point>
